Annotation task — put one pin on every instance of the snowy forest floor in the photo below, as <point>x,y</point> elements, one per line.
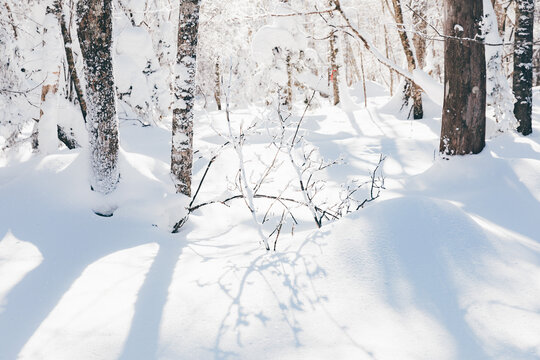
<point>444,265</point>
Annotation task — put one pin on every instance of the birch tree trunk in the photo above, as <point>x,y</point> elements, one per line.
<point>95,37</point>
<point>464,111</point>
<point>523,65</point>
<point>182,124</point>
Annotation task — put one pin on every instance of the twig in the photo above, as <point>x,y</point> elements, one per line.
<point>279,230</point>
<point>204,175</point>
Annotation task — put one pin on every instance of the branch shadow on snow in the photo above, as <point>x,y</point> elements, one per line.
<point>285,279</point>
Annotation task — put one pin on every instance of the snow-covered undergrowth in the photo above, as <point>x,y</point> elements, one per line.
<point>445,265</point>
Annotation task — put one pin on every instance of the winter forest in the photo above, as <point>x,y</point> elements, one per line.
<point>269,179</point>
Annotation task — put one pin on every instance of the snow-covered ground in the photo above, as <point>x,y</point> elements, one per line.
<point>444,265</point>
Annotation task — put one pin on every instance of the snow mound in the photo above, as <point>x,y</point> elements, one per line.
<point>418,278</point>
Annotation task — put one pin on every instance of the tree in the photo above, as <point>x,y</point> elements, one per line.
<point>523,65</point>
<point>95,37</point>
<point>464,110</point>
<point>182,125</point>
<point>334,68</point>
<point>411,90</point>
<point>420,26</point>
<point>498,92</point>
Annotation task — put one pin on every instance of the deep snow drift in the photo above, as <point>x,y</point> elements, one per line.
<point>445,265</point>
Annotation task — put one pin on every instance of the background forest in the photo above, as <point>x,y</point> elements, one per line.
<point>269,179</point>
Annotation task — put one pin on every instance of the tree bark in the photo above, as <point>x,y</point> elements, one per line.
<point>420,27</point>
<point>217,89</point>
<point>182,126</point>
<point>536,67</point>
<point>499,94</point>
<point>334,69</point>
<point>523,65</point>
<point>44,132</point>
<point>411,89</point>
<point>289,90</point>
<point>66,36</point>
<point>95,38</point>
<point>464,110</point>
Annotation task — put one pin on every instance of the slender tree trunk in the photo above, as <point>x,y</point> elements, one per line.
<point>95,38</point>
<point>387,53</point>
<point>387,48</point>
<point>66,36</point>
<point>523,65</point>
<point>334,70</point>
<point>411,90</point>
<point>499,95</point>
<point>289,67</point>
<point>356,75</point>
<point>536,67</point>
<point>420,27</point>
<point>464,110</point>
<point>363,77</point>
<point>501,16</point>
<point>44,132</point>
<point>217,89</point>
<point>182,126</point>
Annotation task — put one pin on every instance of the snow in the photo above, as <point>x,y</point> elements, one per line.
<point>268,38</point>
<point>431,87</point>
<point>445,265</point>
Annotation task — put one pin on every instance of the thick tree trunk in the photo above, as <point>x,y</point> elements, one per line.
<point>523,65</point>
<point>411,90</point>
<point>464,110</point>
<point>182,126</point>
<point>95,38</point>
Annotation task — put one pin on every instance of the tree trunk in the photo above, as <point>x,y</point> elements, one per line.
<point>289,67</point>
<point>420,28</point>
<point>66,36</point>
<point>499,95</point>
<point>387,53</point>
<point>464,110</point>
<point>95,38</point>
<point>334,70</point>
<point>182,126</point>
<point>411,90</point>
<point>44,132</point>
<point>523,65</point>
<point>217,89</point>
<point>536,67</point>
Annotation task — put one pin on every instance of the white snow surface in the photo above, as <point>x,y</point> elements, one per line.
<point>445,265</point>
